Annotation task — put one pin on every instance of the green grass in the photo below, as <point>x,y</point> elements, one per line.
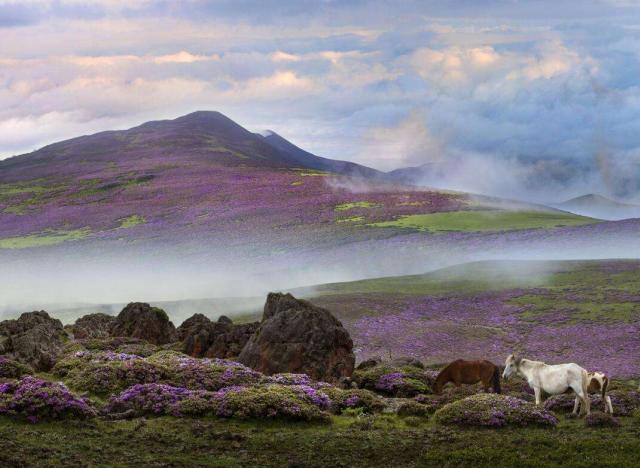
<point>351,219</point>
<point>131,221</point>
<point>493,220</point>
<point>468,278</point>
<point>51,237</point>
<point>384,440</point>
<point>359,204</point>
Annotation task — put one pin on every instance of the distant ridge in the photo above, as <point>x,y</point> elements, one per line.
<point>306,159</point>
<point>599,206</point>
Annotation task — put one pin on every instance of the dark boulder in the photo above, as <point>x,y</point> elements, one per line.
<point>34,339</point>
<point>299,337</point>
<point>222,339</point>
<point>140,320</point>
<point>93,326</point>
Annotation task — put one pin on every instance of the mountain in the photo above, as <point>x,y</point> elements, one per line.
<point>198,178</point>
<point>598,206</point>
<point>203,134</point>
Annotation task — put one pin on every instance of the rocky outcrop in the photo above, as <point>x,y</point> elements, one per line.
<point>299,337</point>
<point>93,326</point>
<point>140,320</point>
<point>34,339</point>
<point>202,337</point>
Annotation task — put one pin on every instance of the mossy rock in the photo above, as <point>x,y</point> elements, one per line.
<point>493,410</point>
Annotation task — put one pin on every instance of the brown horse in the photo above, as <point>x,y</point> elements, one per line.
<point>469,372</point>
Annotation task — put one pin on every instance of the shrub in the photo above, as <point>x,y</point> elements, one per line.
<point>413,408</point>
<point>357,398</point>
<point>273,401</point>
<point>413,421</point>
<point>10,369</point>
<point>159,399</point>
<point>35,399</point>
<point>598,419</point>
<point>492,410</point>
<point>288,379</point>
<point>108,377</point>
<point>84,358</point>
<point>203,374</point>
<point>405,381</point>
<point>431,402</point>
<point>120,344</point>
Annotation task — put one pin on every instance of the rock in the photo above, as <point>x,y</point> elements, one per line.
<point>224,319</point>
<point>140,320</point>
<point>93,326</point>
<point>229,344</point>
<point>298,337</point>
<point>373,362</point>
<point>222,339</point>
<point>34,339</point>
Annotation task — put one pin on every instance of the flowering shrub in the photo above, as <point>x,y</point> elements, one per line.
<point>10,369</point>
<point>159,399</point>
<point>35,399</point>
<point>493,410</point>
<point>359,398</point>
<point>288,379</point>
<point>598,419</point>
<point>203,374</point>
<point>273,401</point>
<point>108,372</point>
<point>108,377</point>
<point>405,381</point>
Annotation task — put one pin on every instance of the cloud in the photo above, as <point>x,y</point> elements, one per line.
<point>543,89</point>
<point>407,143</point>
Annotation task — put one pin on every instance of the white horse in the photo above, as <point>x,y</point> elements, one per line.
<point>552,379</point>
<point>598,383</point>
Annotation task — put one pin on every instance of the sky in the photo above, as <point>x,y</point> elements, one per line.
<point>535,100</point>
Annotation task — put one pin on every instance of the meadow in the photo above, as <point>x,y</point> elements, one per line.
<point>581,311</point>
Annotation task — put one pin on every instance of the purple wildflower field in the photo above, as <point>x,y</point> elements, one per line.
<point>588,313</point>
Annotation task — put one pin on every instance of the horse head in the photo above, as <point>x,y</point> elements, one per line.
<point>511,366</point>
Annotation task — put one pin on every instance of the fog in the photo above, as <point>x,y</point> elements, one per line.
<point>216,281</point>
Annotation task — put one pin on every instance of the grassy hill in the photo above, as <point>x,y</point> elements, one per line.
<point>586,312</point>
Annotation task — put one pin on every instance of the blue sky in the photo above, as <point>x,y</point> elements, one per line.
<point>526,99</point>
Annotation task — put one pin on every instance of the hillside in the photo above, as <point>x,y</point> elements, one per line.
<point>559,311</point>
<point>202,178</point>
<point>600,207</point>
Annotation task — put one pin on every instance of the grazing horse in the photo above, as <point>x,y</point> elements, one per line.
<point>469,372</point>
<point>552,379</point>
<point>598,383</point>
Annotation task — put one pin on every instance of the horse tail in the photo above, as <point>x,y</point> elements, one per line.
<point>496,380</point>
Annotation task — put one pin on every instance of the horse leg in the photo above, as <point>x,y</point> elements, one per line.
<point>538,394</point>
<point>609,405</point>
<point>581,392</point>
<point>576,405</point>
